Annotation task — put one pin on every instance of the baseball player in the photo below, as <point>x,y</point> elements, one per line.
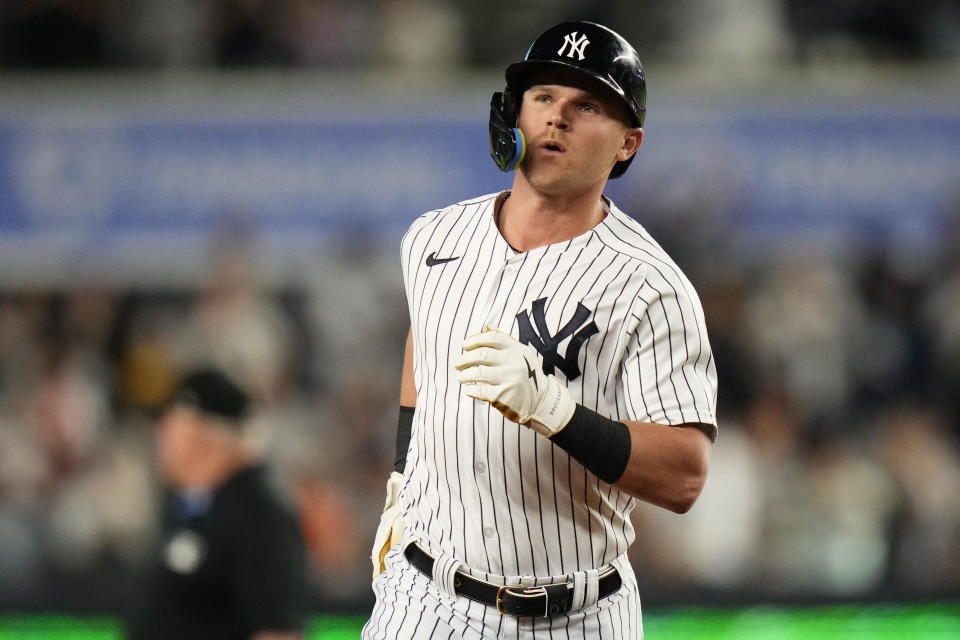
<point>557,370</point>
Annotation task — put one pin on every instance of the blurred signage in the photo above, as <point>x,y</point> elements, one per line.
<point>95,180</point>
<point>145,176</point>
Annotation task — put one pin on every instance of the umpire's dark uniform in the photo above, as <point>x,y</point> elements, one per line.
<point>231,563</point>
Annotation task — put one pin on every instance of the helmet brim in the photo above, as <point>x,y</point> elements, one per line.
<point>519,77</point>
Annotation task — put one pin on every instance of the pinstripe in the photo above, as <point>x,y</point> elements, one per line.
<point>431,448</point>
<point>386,608</point>
<point>473,409</point>
<point>456,432</point>
<point>458,409</point>
<point>587,501</point>
<point>556,502</point>
<point>570,271</point>
<point>546,280</point>
<point>654,256</point>
<point>526,292</point>
<point>553,452</point>
<point>650,249</point>
<point>606,333</point>
<point>596,400</point>
<point>523,504</point>
<point>651,361</point>
<point>573,519</point>
<point>427,272</point>
<point>642,400</point>
<point>658,299</point>
<point>685,344</point>
<point>511,535</point>
<point>540,450</point>
<point>492,414</point>
<point>669,333</point>
<point>658,257</point>
<point>392,611</point>
<point>654,361</point>
<point>417,625</point>
<point>441,458</point>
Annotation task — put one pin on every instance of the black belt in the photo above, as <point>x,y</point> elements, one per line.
<point>535,602</point>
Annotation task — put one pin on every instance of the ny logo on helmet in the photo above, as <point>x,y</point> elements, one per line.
<point>577,45</point>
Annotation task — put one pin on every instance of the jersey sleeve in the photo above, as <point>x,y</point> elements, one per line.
<point>668,373</point>
<point>412,246</point>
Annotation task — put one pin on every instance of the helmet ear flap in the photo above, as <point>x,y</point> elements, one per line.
<point>507,145</point>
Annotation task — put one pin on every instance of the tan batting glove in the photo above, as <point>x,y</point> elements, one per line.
<point>500,370</point>
<point>390,530</point>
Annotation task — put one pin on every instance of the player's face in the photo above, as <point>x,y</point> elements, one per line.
<point>575,130</point>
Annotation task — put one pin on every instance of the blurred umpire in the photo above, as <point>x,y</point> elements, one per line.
<point>231,562</point>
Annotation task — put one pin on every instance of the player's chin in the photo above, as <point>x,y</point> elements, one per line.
<point>548,177</point>
<point>540,161</point>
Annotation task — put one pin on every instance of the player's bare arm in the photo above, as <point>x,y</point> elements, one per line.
<point>667,465</point>
<point>408,388</point>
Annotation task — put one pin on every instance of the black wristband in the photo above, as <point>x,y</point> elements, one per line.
<point>600,444</point>
<point>404,427</point>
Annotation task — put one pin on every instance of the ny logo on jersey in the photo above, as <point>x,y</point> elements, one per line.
<point>546,344</point>
<point>577,45</point>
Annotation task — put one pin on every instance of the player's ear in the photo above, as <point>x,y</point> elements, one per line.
<point>631,142</point>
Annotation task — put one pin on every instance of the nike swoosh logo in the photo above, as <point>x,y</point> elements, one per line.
<point>433,261</point>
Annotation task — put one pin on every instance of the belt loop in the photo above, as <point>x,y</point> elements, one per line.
<point>579,595</point>
<point>445,574</point>
<point>592,591</point>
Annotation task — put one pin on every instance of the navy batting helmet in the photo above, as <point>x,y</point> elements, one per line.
<point>584,47</point>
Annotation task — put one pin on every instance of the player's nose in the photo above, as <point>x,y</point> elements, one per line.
<point>559,122</point>
<point>557,116</point>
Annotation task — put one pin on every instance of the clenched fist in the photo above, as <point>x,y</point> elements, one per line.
<point>498,369</point>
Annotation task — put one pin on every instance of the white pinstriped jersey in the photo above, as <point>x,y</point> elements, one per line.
<point>612,316</point>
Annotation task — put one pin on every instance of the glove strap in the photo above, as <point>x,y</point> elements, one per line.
<point>555,409</point>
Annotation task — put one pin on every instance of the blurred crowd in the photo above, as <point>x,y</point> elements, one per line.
<point>837,469</point>
<point>448,33</point>
<point>85,373</point>
<point>836,473</point>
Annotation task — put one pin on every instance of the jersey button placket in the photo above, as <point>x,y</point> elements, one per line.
<point>499,286</point>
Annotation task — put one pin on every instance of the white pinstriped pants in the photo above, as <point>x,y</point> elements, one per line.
<point>410,606</point>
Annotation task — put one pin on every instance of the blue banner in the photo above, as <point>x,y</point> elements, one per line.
<point>98,180</point>
<point>310,177</point>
